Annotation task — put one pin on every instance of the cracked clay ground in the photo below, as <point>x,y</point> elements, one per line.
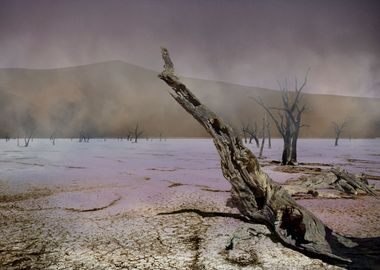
<point>96,206</point>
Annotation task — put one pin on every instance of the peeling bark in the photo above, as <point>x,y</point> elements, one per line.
<point>259,199</point>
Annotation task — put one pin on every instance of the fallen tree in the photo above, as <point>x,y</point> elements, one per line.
<point>331,183</point>
<point>259,199</point>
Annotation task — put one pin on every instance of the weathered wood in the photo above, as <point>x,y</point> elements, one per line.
<point>322,181</point>
<point>351,183</point>
<point>256,196</point>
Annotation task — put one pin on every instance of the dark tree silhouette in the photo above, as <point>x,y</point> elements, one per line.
<point>251,133</point>
<point>338,128</point>
<point>137,133</point>
<point>52,137</point>
<point>28,138</point>
<point>288,120</point>
<point>84,136</point>
<point>28,124</point>
<point>269,135</point>
<point>263,132</point>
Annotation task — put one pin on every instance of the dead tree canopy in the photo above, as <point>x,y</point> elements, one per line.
<point>288,118</point>
<point>251,133</point>
<point>28,124</point>
<point>53,135</point>
<point>84,136</point>
<point>28,138</point>
<point>258,198</point>
<point>338,128</point>
<point>137,133</point>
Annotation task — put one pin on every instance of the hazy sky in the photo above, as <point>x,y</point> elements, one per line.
<point>246,42</point>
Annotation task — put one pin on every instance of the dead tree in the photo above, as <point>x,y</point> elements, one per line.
<point>52,137</point>
<point>129,136</point>
<point>338,130</point>
<point>269,135</point>
<point>259,199</point>
<point>297,124</point>
<point>245,134</point>
<point>28,125</point>
<point>137,133</point>
<point>28,138</point>
<point>84,136</point>
<point>288,122</point>
<point>263,137</point>
<point>251,133</point>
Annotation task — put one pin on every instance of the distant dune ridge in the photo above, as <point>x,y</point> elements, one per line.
<point>109,98</point>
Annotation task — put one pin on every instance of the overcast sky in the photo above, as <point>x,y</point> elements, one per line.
<point>245,42</point>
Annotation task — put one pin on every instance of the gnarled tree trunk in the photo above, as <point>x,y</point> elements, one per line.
<point>294,144</point>
<point>258,198</point>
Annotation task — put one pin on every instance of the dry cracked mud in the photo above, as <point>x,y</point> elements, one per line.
<point>39,234</point>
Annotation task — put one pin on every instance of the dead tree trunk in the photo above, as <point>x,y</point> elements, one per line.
<point>251,132</point>
<point>257,197</point>
<point>289,121</point>
<point>129,135</point>
<point>269,135</point>
<point>52,137</point>
<point>137,133</point>
<point>338,131</point>
<point>27,140</point>
<point>84,136</point>
<point>297,126</point>
<point>244,130</point>
<point>287,150</point>
<point>253,135</point>
<point>263,138</point>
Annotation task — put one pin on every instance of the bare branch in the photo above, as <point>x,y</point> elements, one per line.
<point>261,103</point>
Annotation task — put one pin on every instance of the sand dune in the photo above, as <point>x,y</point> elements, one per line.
<point>109,98</point>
